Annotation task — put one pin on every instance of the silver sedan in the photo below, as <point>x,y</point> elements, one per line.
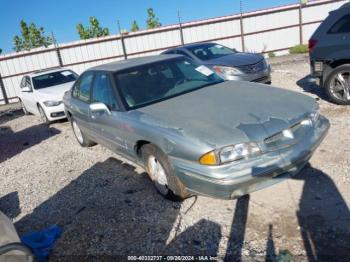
<point>193,132</point>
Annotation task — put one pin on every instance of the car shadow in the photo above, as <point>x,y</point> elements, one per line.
<point>10,115</point>
<point>13,143</point>
<point>308,84</point>
<point>9,205</point>
<point>324,218</point>
<point>111,210</point>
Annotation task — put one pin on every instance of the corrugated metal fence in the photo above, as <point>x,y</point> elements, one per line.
<point>270,30</point>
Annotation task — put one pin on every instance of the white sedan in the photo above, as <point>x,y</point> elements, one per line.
<point>42,93</point>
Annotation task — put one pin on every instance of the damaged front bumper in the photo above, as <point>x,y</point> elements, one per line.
<point>236,179</point>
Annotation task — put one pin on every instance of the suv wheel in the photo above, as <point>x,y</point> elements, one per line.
<point>162,173</point>
<point>337,85</point>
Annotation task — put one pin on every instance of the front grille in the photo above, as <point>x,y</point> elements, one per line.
<point>286,137</point>
<point>253,68</point>
<point>57,114</point>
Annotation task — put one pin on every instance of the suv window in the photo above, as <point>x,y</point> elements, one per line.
<point>81,89</point>
<point>102,91</point>
<point>341,26</point>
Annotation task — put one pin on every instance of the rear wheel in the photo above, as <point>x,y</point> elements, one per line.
<point>83,140</point>
<point>337,85</point>
<point>162,173</point>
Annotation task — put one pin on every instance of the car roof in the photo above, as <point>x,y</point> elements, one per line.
<point>47,71</point>
<point>191,45</point>
<point>133,62</point>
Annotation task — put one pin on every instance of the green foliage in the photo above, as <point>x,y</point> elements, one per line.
<point>271,54</point>
<point>92,31</point>
<point>0,51</point>
<point>134,26</point>
<point>299,49</point>
<point>31,37</point>
<point>152,21</point>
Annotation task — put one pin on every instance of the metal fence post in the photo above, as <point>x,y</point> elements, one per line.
<point>59,57</point>
<point>3,90</point>
<point>58,53</point>
<point>300,23</point>
<point>241,25</point>
<point>180,27</point>
<point>122,40</point>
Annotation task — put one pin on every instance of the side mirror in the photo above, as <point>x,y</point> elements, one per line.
<point>26,89</point>
<point>99,108</point>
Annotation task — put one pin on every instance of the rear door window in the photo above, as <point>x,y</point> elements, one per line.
<point>341,26</point>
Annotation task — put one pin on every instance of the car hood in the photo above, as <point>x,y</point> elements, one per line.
<point>230,112</point>
<point>54,92</point>
<point>237,59</point>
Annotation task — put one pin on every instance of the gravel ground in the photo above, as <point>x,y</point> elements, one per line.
<point>108,207</point>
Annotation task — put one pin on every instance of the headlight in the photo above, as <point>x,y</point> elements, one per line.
<point>313,117</point>
<point>230,153</point>
<point>52,103</point>
<point>225,70</point>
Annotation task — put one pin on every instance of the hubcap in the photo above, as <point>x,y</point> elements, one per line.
<point>157,173</point>
<point>340,86</point>
<point>77,132</point>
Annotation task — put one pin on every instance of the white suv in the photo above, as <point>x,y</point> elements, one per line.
<point>42,93</point>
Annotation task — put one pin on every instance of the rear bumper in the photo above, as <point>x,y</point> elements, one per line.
<point>236,179</point>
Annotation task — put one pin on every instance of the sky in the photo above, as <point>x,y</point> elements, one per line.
<point>61,17</point>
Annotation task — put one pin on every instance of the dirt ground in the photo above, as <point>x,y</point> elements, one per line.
<point>107,207</point>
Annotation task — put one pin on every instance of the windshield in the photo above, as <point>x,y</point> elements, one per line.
<point>54,79</point>
<point>211,51</point>
<point>150,83</point>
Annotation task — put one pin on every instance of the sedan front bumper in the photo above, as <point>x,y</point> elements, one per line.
<point>54,112</point>
<point>240,178</point>
<point>263,77</point>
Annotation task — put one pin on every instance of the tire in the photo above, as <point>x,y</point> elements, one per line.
<point>166,183</point>
<point>43,116</point>
<point>24,109</point>
<point>336,84</point>
<point>82,139</point>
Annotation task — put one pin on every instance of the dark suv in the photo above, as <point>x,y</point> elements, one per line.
<point>329,49</point>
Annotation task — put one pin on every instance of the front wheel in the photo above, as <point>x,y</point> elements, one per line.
<point>162,174</point>
<point>337,85</point>
<point>24,109</point>
<point>43,116</point>
<point>83,140</point>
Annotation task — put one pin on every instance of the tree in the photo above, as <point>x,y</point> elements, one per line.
<point>134,26</point>
<point>31,37</point>
<point>92,31</point>
<point>152,21</point>
<point>0,51</point>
